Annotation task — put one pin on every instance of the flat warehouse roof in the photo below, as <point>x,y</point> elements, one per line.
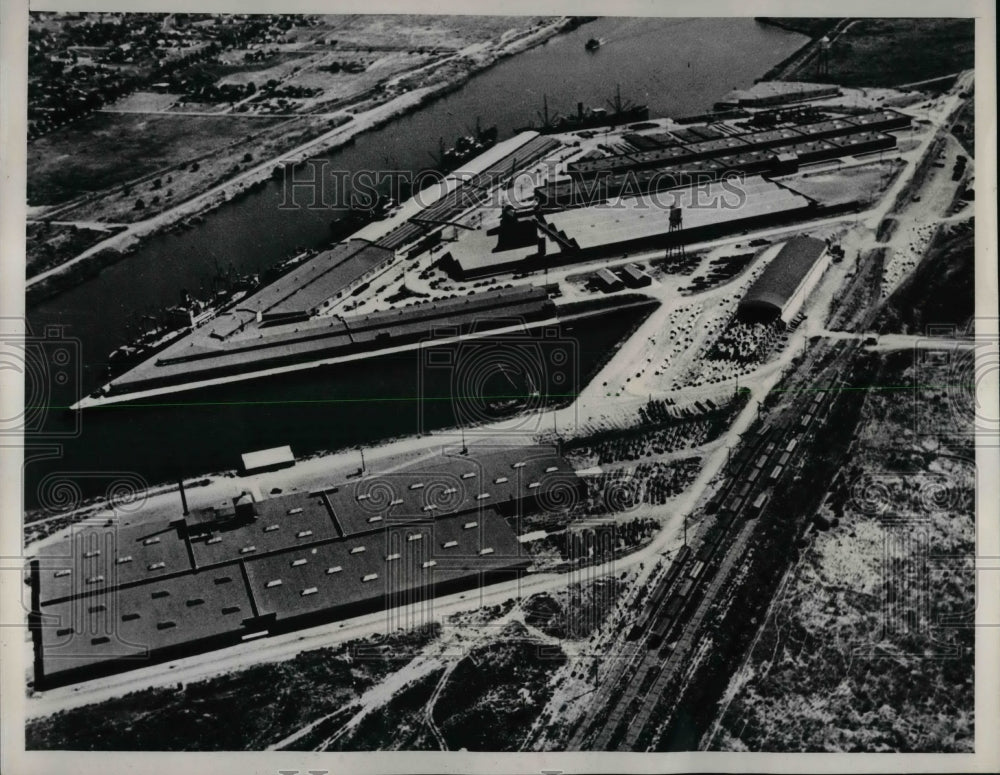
<point>133,621</point>
<point>879,117</point>
<point>809,146</point>
<point>705,132</point>
<point>331,279</point>
<point>862,138</point>
<point>450,484</point>
<point>366,569</point>
<point>649,215</point>
<point>314,339</point>
<point>446,309</point>
<point>835,125</point>
<point>284,521</point>
<point>773,135</point>
<point>722,144</point>
<point>103,556</point>
<point>303,553</point>
<point>301,276</point>
<point>619,160</point>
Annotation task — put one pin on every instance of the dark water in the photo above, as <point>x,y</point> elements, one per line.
<point>325,408</point>
<point>676,66</point>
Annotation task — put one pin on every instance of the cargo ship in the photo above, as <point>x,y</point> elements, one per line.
<point>466,147</point>
<point>174,322</point>
<point>618,112</point>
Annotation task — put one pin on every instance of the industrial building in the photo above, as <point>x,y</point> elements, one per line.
<point>673,217</point>
<point>685,151</point>
<point>786,282</point>
<point>205,354</point>
<point>710,211</point>
<point>120,595</point>
<point>634,277</point>
<point>319,283</point>
<point>267,459</point>
<point>768,93</point>
<point>753,160</point>
<point>608,281</point>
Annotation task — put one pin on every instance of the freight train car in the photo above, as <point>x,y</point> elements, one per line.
<point>659,593</point>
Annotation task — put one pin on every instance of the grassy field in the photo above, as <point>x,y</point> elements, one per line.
<point>891,52</point>
<point>108,149</point>
<point>397,725</point>
<point>415,32</point>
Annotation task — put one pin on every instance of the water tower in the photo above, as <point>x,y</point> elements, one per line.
<point>675,245</point>
<point>823,57</point>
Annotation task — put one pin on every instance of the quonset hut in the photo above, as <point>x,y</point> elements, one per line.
<point>785,284</point>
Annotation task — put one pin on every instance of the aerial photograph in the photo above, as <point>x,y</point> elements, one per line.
<point>500,384</point>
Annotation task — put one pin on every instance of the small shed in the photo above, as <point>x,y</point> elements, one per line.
<point>268,460</point>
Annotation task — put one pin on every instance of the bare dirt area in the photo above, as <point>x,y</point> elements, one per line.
<point>416,32</point>
<point>868,643</point>
<point>861,183</point>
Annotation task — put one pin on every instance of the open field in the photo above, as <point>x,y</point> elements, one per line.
<point>891,52</point>
<point>105,150</point>
<point>230,113</point>
<point>415,32</point>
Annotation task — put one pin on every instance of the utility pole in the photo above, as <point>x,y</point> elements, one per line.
<point>362,451</point>
<point>184,502</point>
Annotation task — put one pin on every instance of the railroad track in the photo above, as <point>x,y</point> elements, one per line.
<point>690,638</point>
<point>765,463</point>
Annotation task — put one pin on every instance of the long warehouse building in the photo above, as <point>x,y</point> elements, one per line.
<point>203,356</point>
<point>786,282</point>
<point>642,222</point>
<point>126,593</point>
